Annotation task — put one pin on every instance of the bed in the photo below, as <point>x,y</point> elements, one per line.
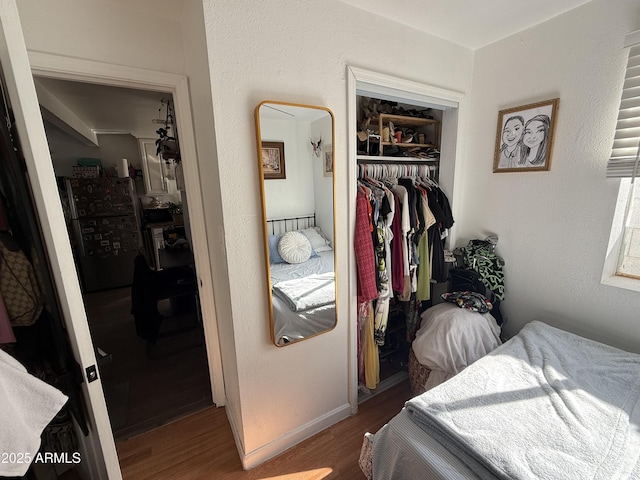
<point>303,293</point>
<point>547,404</point>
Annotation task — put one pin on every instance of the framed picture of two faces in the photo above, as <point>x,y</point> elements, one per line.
<point>524,137</point>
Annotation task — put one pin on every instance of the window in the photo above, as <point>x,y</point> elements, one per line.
<point>629,257</point>
<point>622,264</point>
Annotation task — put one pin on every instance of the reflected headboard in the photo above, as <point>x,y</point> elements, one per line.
<point>283,225</point>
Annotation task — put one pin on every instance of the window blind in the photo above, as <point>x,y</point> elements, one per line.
<point>625,152</point>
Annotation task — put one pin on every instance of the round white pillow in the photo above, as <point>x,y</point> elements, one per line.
<point>294,247</point>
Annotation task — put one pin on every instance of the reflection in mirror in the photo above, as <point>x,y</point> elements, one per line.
<point>295,157</point>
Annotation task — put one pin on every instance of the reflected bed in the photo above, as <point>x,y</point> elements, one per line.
<point>303,294</point>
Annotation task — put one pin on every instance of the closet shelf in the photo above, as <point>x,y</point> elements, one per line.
<point>403,121</point>
<point>425,129</point>
<point>411,144</point>
<point>387,159</point>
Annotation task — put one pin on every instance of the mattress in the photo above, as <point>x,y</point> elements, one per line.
<point>409,453</point>
<point>290,325</point>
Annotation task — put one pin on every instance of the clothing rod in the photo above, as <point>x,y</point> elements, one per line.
<point>379,171</point>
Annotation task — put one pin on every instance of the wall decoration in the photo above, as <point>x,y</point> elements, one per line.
<point>316,147</point>
<point>327,161</point>
<point>273,160</point>
<point>524,137</point>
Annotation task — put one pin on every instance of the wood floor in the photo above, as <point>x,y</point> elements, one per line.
<point>146,388</point>
<point>201,446</point>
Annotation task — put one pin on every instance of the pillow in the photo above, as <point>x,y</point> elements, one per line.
<point>274,255</point>
<point>474,301</point>
<point>319,242</point>
<point>294,247</point>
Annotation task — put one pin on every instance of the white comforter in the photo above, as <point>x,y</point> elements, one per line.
<point>290,325</point>
<point>308,292</point>
<point>545,405</point>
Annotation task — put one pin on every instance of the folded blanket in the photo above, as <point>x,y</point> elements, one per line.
<point>27,405</point>
<point>547,404</point>
<point>308,292</point>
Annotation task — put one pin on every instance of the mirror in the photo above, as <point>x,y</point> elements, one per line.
<point>295,159</point>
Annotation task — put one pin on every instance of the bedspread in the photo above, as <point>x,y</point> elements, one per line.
<point>309,292</point>
<point>547,404</point>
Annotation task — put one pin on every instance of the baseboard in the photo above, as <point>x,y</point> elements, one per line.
<point>285,442</point>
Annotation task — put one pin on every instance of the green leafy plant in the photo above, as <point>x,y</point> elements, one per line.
<point>174,208</point>
<point>167,146</point>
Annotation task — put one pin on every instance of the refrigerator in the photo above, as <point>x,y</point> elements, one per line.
<point>105,223</point>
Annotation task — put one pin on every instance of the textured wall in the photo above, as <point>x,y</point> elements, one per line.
<point>554,226</point>
<point>296,51</point>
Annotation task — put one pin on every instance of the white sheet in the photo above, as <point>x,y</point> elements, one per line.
<point>451,338</point>
<point>546,405</point>
<point>403,451</point>
<point>309,292</point>
<point>290,325</point>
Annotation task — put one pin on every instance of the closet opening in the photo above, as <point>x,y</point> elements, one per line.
<point>128,220</point>
<point>404,137</point>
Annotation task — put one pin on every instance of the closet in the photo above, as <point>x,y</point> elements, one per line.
<point>402,222</point>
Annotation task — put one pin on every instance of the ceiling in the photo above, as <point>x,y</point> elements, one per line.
<point>471,23</point>
<point>100,108</point>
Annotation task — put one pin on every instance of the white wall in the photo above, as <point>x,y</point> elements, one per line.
<point>290,196</point>
<point>103,31</point>
<point>295,51</point>
<point>323,185</point>
<point>554,226</point>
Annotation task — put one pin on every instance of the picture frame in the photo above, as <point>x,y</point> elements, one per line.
<point>327,161</point>
<point>524,137</point>
<point>273,166</point>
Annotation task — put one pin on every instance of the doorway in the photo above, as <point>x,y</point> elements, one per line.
<point>149,378</point>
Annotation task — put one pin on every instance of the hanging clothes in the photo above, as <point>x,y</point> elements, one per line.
<point>384,235</point>
<point>420,208</point>
<point>363,248</point>
<point>401,221</point>
<point>371,356</point>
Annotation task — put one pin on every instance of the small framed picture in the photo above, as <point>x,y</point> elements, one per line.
<point>524,137</point>
<point>327,161</point>
<point>273,160</point>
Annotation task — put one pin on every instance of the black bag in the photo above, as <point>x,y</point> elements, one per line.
<point>463,280</point>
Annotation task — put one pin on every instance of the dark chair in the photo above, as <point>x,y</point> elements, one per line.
<point>150,286</point>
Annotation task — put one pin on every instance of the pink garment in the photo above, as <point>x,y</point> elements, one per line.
<point>6,331</point>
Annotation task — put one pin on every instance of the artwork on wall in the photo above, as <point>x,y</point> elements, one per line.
<point>327,161</point>
<point>273,160</point>
<point>524,137</point>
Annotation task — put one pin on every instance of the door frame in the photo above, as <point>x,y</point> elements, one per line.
<point>80,70</point>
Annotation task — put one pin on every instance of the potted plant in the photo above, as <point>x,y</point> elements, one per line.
<point>167,146</point>
<point>175,209</point>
